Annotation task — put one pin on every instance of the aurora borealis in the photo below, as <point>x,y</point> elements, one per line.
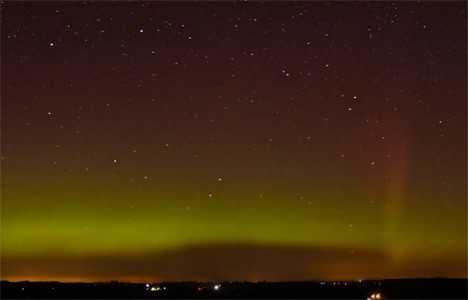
<point>233,141</point>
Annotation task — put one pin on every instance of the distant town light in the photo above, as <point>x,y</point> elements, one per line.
<point>216,287</point>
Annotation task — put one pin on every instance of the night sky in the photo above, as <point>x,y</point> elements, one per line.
<point>233,141</point>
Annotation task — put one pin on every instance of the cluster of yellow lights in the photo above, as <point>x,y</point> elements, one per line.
<point>375,296</point>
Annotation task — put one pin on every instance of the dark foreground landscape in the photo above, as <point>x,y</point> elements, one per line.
<point>372,290</point>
